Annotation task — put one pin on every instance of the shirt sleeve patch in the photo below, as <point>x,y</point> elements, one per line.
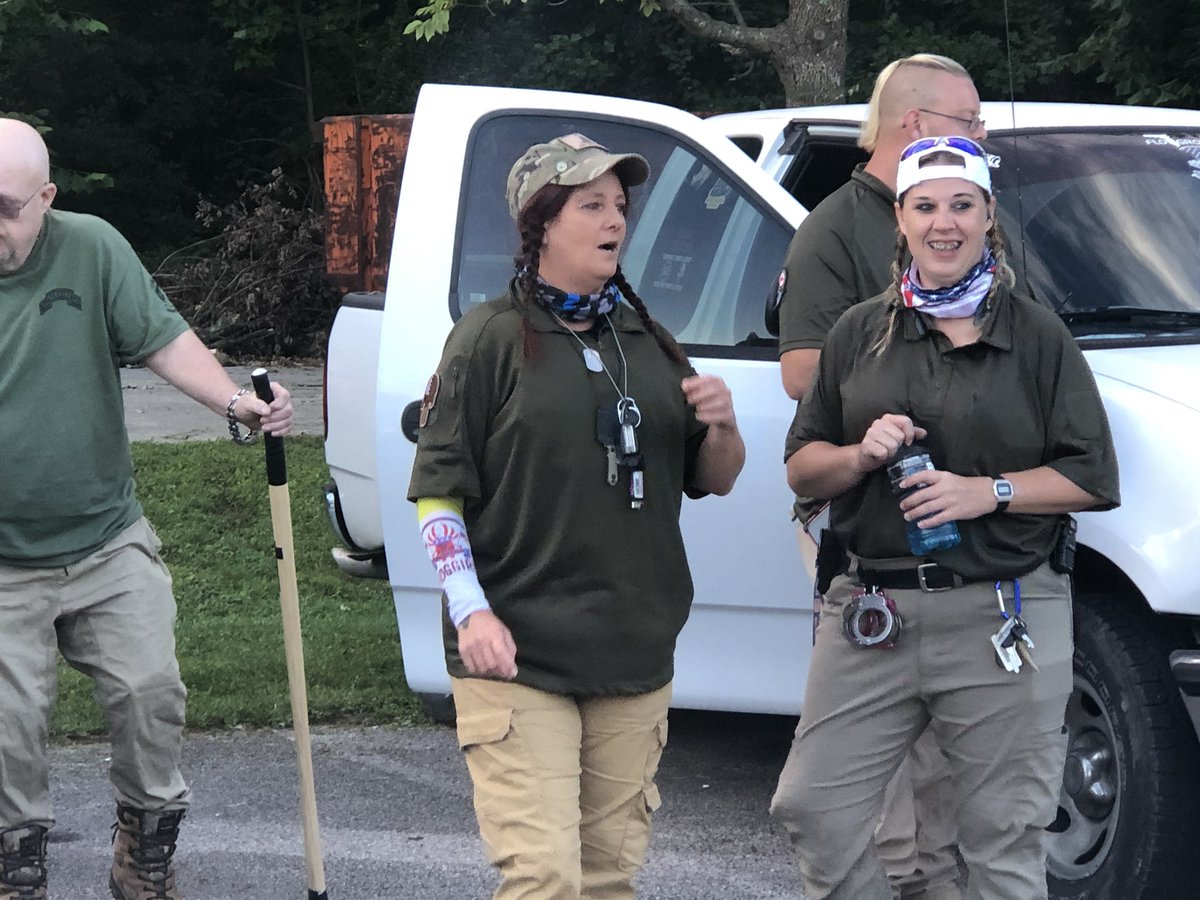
<point>430,399</point>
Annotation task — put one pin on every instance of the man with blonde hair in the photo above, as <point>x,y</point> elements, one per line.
<point>842,255</point>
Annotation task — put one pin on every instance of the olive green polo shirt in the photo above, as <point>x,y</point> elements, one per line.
<point>594,592</point>
<point>1022,396</point>
<point>840,255</point>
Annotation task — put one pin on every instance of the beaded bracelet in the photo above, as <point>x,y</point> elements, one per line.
<point>231,418</point>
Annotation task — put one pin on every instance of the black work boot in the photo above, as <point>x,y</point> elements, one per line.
<point>23,863</point>
<point>143,844</point>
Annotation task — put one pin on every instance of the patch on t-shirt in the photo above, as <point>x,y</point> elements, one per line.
<point>780,289</point>
<point>430,399</point>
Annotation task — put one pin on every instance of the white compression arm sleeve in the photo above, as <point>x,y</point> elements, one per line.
<point>445,535</point>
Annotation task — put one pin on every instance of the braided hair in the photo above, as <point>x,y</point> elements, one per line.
<point>543,207</point>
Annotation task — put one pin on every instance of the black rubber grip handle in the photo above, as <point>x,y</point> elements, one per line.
<point>276,461</point>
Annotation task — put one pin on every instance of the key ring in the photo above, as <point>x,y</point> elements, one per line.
<point>627,407</point>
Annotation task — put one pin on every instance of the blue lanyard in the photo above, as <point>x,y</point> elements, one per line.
<point>1016,599</point>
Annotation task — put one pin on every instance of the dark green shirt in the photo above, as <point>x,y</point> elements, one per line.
<point>840,255</point>
<point>1020,397</point>
<point>594,592</point>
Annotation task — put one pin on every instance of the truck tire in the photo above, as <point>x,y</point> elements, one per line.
<point>439,707</point>
<point>1125,824</point>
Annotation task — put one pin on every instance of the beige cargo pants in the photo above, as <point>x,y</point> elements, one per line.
<point>564,786</point>
<point>112,616</point>
<point>1001,732</point>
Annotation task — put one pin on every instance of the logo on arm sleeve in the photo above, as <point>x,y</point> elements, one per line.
<point>430,398</point>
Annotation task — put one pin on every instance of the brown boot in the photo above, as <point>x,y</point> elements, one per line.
<point>23,863</point>
<point>143,844</point>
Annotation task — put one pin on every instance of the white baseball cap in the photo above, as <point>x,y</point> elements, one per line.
<point>974,166</point>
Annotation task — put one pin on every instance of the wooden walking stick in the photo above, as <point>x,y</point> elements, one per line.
<point>293,642</point>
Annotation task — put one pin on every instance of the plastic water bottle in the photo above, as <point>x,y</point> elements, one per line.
<point>921,541</point>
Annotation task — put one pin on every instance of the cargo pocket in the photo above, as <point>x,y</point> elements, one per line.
<point>484,738</point>
<point>483,726</point>
<point>637,831</point>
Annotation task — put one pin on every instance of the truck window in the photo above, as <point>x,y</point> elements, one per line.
<point>822,165</point>
<point>1109,226</point>
<point>701,252</point>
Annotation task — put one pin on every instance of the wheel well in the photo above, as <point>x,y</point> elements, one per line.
<point>1096,574</point>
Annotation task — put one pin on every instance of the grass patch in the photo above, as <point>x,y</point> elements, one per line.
<point>208,501</point>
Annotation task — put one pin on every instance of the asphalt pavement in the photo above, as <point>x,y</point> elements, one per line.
<point>396,822</point>
<point>394,803</point>
<point>155,411</point>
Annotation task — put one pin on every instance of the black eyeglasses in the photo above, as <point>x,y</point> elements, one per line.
<point>11,209</point>
<point>965,145</point>
<point>972,124</point>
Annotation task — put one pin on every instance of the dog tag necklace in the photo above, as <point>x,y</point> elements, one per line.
<point>617,434</point>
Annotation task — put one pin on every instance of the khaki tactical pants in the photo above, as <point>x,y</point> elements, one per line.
<point>564,786</point>
<point>1002,733</point>
<point>915,835</point>
<point>113,618</point>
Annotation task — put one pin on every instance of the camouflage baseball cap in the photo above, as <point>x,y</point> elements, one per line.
<point>569,160</point>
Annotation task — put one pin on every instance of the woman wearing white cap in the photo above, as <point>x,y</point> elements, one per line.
<point>557,439</point>
<point>971,632</point>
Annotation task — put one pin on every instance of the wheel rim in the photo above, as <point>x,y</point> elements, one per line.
<point>1090,800</point>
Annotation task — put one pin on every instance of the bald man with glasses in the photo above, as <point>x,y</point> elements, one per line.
<point>80,571</point>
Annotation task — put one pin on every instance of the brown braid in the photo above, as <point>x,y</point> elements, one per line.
<point>665,341</point>
<point>542,207</point>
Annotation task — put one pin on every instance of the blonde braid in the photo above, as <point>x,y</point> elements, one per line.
<point>894,296</point>
<point>1004,272</point>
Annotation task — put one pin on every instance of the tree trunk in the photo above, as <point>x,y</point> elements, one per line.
<point>807,49</point>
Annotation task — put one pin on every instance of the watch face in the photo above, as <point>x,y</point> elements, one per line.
<point>1002,489</point>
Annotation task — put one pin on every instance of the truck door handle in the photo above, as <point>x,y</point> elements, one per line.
<point>410,420</point>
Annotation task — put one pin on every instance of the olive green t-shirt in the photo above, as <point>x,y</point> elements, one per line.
<point>1021,397</point>
<point>594,592</point>
<point>840,255</point>
<point>80,306</point>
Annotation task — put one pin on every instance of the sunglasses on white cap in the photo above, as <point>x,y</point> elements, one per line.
<point>973,168</point>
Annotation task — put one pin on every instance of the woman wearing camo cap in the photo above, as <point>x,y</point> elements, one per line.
<point>558,436</point>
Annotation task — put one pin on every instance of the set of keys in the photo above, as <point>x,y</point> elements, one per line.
<point>1012,642</point>
<point>616,432</point>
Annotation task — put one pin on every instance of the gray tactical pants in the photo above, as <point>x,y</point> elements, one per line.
<point>1001,732</point>
<point>112,615</point>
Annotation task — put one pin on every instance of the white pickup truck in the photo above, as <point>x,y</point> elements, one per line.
<point>1103,206</point>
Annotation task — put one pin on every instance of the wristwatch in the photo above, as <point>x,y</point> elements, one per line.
<point>1002,490</point>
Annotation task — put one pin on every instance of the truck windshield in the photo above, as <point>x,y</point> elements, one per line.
<point>1111,227</point>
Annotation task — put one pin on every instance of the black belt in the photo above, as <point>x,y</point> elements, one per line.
<point>928,576</point>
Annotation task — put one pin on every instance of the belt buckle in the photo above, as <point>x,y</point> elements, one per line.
<point>921,567</point>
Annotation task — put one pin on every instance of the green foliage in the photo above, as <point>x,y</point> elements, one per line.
<point>181,99</point>
<point>255,289</point>
<point>433,19</point>
<point>208,501</point>
<point>612,49</point>
<point>1146,53</point>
